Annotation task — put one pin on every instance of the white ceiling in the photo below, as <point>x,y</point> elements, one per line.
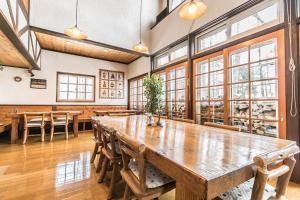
<point>114,22</point>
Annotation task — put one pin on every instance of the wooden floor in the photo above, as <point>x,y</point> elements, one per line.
<point>59,170</point>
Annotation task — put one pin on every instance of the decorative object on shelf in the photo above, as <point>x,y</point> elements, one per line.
<point>192,10</point>
<point>75,32</point>
<point>17,79</point>
<point>111,84</point>
<point>140,47</point>
<point>153,90</point>
<point>38,83</point>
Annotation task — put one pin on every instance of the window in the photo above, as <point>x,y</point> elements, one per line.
<point>172,55</point>
<point>263,15</point>
<point>174,4</point>
<point>174,98</point>
<point>209,77</point>
<point>75,87</point>
<point>241,86</point>
<point>137,99</point>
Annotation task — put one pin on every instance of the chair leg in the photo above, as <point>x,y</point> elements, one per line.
<point>66,131</point>
<point>113,181</point>
<point>127,192</point>
<point>52,133</point>
<point>100,162</point>
<point>103,170</point>
<point>43,134</point>
<point>25,134</point>
<point>94,152</point>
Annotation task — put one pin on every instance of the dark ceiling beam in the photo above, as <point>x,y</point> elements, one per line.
<point>15,40</point>
<point>91,42</point>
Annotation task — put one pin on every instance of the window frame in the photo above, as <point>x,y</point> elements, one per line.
<point>75,74</point>
<point>138,78</point>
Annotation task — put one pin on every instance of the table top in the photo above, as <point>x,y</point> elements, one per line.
<point>205,151</point>
<point>114,111</point>
<point>74,112</point>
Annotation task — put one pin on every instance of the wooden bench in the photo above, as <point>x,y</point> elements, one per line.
<point>4,126</point>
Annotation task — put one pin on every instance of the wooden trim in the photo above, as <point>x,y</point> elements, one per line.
<point>22,6</point>
<point>23,30</point>
<point>170,46</point>
<point>138,77</point>
<point>61,35</point>
<point>13,37</point>
<point>133,60</point>
<point>169,65</point>
<point>75,74</point>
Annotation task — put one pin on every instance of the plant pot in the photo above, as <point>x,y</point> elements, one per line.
<point>150,119</point>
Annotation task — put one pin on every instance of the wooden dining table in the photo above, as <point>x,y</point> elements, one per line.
<point>107,112</point>
<point>204,161</point>
<point>17,116</point>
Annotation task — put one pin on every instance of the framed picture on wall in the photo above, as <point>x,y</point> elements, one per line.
<point>38,83</point>
<point>111,84</point>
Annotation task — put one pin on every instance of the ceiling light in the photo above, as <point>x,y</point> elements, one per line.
<point>139,47</point>
<point>75,32</point>
<point>192,10</point>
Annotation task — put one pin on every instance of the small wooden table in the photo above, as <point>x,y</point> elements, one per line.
<point>204,161</point>
<point>17,116</point>
<point>107,112</point>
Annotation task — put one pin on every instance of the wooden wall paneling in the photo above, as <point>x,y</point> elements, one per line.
<point>292,123</point>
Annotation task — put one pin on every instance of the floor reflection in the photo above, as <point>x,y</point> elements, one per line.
<point>73,171</point>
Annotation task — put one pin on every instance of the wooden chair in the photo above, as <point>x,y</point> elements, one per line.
<point>59,118</point>
<point>112,155</point>
<point>184,120</point>
<point>270,166</point>
<point>227,127</point>
<point>142,179</point>
<point>33,124</point>
<point>98,145</point>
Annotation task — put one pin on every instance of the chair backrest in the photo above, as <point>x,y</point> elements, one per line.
<point>108,136</point>
<point>60,116</point>
<point>95,127</point>
<point>278,165</point>
<point>33,115</point>
<point>133,150</point>
<point>191,121</point>
<point>227,127</point>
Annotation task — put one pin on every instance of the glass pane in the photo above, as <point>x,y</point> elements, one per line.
<point>178,53</point>
<point>72,88</point>
<point>263,51</point>
<point>63,87</point>
<point>171,96</point>
<point>264,70</point>
<point>63,78</point>
<point>238,74</point>
<point>216,93</point>
<point>265,110</point>
<point>72,79</point>
<point>175,3</point>
<point>265,128</point>
<point>217,120</point>
<point>181,109</point>
<point>264,16</point>
<point>216,64</point>
<point>171,85</point>
<point>162,60</point>
<point>239,91</point>
<point>180,83</point>
<point>81,80</point>
<point>217,108</point>
<point>172,74</point>
<point>239,57</point>
<point>264,89</point>
<point>202,108</point>
<point>242,123</point>
<point>212,39</point>
<point>63,95</point>
<point>203,80</point>
<point>81,88</point>
<point>202,67</point>
<point>180,95</point>
<point>216,78</point>
<point>81,96</point>
<point>180,72</point>
<point>240,108</point>
<point>72,96</point>
<point>90,81</point>
<point>203,94</point>
<point>89,96</point>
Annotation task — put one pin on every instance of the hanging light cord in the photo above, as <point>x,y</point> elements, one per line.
<point>76,12</point>
<point>141,20</point>
<point>292,66</point>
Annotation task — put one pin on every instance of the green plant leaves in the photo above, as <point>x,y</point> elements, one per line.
<point>153,91</point>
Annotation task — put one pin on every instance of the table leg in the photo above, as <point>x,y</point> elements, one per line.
<point>14,129</point>
<point>75,125</point>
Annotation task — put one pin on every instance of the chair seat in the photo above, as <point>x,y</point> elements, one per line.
<point>62,118</point>
<point>244,191</point>
<point>154,177</point>
<point>59,122</point>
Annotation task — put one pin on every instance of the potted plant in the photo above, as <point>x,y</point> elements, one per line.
<point>153,91</point>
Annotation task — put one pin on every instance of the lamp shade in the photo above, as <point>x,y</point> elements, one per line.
<point>192,10</point>
<point>139,47</point>
<point>75,33</point>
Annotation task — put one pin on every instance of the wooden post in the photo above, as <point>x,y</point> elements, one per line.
<point>75,125</point>
<point>14,129</point>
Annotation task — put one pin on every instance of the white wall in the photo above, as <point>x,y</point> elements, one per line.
<point>114,22</point>
<point>173,27</point>
<point>138,67</point>
<point>21,93</point>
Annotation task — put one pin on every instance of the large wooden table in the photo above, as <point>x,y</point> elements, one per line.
<point>17,116</point>
<point>204,161</point>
